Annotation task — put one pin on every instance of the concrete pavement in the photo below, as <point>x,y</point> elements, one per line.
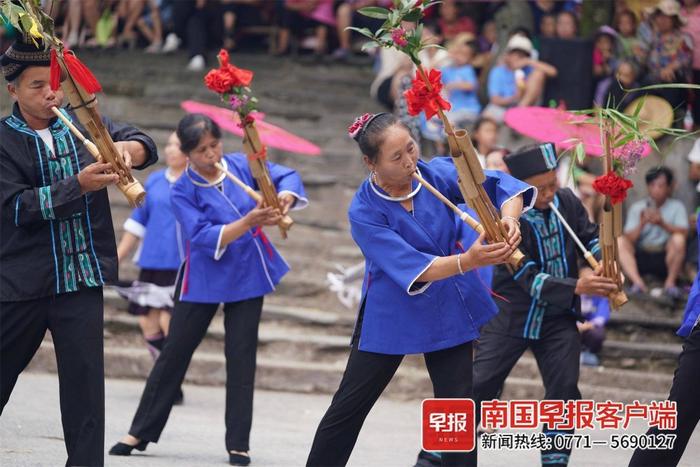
<point>283,428</point>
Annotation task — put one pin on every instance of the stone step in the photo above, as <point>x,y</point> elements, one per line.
<point>281,340</point>
<point>651,350</point>
<point>278,374</point>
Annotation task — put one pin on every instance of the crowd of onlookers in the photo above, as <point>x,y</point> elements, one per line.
<point>497,54</point>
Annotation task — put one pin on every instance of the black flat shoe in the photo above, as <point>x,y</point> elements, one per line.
<point>180,398</point>
<point>238,459</point>
<point>123,449</point>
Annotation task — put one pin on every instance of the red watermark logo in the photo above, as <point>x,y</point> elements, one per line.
<point>448,425</point>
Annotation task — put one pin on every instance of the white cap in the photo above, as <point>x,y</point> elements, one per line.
<point>521,43</point>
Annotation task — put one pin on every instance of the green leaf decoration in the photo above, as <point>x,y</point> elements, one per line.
<point>374,12</point>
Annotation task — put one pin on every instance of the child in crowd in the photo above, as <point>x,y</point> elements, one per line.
<point>626,26</point>
<point>460,81</point>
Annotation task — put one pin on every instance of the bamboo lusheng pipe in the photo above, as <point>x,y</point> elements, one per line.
<point>586,253</point>
<point>257,197</point>
<point>617,297</point>
<point>258,166</point>
<point>466,218</point>
<point>84,106</point>
<point>133,191</point>
<point>611,229</point>
<point>470,179</point>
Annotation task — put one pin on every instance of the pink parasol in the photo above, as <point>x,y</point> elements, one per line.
<point>271,135</point>
<point>565,129</point>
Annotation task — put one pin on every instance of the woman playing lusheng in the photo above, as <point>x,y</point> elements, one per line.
<point>228,260</point>
<point>417,296</point>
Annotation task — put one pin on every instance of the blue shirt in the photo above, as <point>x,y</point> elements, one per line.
<point>154,223</point>
<point>692,308</point>
<point>460,99</point>
<point>402,316</point>
<point>248,267</point>
<point>502,81</point>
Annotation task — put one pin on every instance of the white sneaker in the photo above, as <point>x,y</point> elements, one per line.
<point>196,63</point>
<point>172,43</point>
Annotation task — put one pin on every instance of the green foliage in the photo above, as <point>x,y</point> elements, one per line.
<point>404,11</point>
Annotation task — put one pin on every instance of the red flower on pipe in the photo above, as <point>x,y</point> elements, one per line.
<point>612,185</point>
<point>426,98</point>
<point>221,80</point>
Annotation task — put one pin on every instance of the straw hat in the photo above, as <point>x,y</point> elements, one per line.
<point>656,112</point>
<point>668,8</point>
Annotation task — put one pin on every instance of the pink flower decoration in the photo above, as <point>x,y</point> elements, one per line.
<point>398,36</point>
<point>358,124</point>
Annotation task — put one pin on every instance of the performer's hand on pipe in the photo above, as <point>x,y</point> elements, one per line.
<point>133,152</point>
<point>258,217</point>
<point>484,254</point>
<point>478,255</point>
<point>593,284</point>
<point>513,231</point>
<point>286,202</point>
<point>94,178</point>
<point>261,216</point>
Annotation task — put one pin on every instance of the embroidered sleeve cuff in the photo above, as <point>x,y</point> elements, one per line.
<point>301,202</point>
<point>219,249</point>
<point>135,228</point>
<point>415,288</point>
<point>522,192</point>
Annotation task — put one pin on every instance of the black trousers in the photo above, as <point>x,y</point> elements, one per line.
<point>76,322</point>
<point>188,327</point>
<point>557,352</point>
<point>197,26</point>
<point>364,380</point>
<point>685,392</point>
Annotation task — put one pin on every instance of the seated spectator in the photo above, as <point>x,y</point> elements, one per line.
<point>391,66</point>
<point>433,57</point>
<point>567,25</point>
<point>692,28</point>
<point>346,15</point>
<point>540,9</point>
<point>654,236</point>
<point>303,14</point>
<point>611,91</point>
<point>668,56</point>
<point>484,137</point>
<point>460,81</point>
<point>237,14</point>
<point>487,45</point>
<point>604,53</point>
<point>73,26</point>
<point>488,37</point>
<point>518,81</point>
<point>452,22</point>
<point>596,311</point>
<point>494,160</point>
<point>626,26</point>
<point>150,25</point>
<point>192,21</point>
<point>694,170</point>
<point>548,26</point>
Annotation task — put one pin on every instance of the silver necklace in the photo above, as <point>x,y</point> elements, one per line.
<point>216,182</point>
<point>373,184</point>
